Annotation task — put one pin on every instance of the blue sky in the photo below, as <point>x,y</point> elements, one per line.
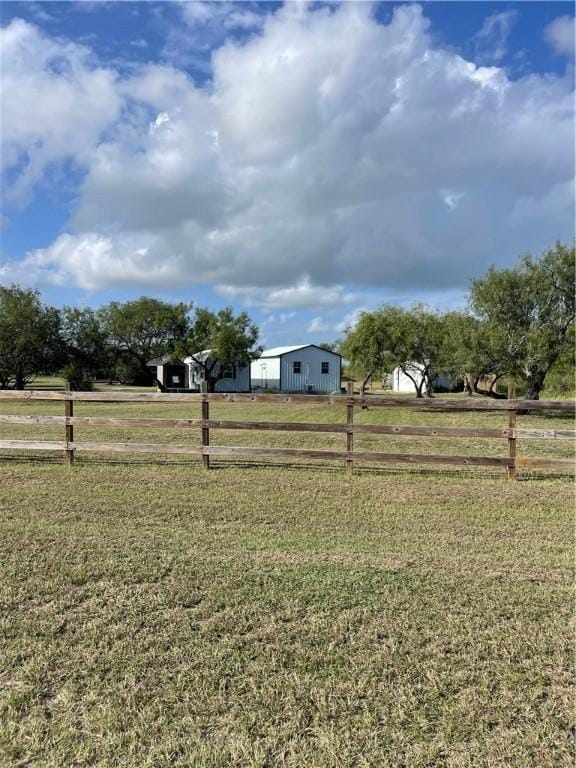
<point>300,161</point>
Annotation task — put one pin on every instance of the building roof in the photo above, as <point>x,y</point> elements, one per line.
<point>198,356</point>
<point>279,351</point>
<point>164,360</point>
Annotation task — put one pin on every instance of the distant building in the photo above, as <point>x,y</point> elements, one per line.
<point>304,368</point>
<point>401,382</point>
<point>189,374</point>
<point>231,378</point>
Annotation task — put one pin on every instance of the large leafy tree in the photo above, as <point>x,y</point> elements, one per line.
<point>30,340</point>
<point>145,328</point>
<point>88,351</point>
<point>473,354</point>
<point>528,313</point>
<point>366,346</point>
<point>414,340</point>
<point>232,340</point>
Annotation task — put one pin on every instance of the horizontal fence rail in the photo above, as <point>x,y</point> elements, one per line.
<point>70,446</point>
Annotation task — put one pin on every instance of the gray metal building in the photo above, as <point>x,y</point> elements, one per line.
<point>303,368</point>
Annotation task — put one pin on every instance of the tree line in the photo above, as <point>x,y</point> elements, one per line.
<point>114,342</point>
<point>519,325</point>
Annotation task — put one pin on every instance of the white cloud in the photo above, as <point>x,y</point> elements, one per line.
<point>451,198</point>
<point>318,325</point>
<point>328,145</point>
<point>220,14</point>
<point>349,320</point>
<point>205,26</point>
<point>491,41</point>
<point>560,35</point>
<point>332,326</point>
<point>301,295</point>
<point>55,104</point>
<point>95,261</point>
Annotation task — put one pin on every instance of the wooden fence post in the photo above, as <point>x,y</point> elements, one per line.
<point>69,412</point>
<point>350,423</point>
<point>205,427</point>
<point>511,470</point>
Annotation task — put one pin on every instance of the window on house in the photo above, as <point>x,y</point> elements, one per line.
<point>325,367</point>
<point>229,372</point>
<point>296,366</point>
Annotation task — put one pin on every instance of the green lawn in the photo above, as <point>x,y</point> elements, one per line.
<point>156,615</point>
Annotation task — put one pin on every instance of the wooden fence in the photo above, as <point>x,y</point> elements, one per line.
<point>70,446</point>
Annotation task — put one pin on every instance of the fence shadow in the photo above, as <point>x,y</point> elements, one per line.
<point>323,468</point>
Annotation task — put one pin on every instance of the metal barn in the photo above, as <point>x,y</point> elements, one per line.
<point>304,368</point>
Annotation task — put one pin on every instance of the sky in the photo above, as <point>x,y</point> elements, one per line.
<point>301,161</point>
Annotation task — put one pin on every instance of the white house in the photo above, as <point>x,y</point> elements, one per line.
<point>233,378</point>
<point>189,374</point>
<point>304,368</point>
<point>403,383</point>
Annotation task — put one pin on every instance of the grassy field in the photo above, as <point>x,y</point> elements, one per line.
<point>156,615</point>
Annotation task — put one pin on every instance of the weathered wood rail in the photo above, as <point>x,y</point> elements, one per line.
<point>70,446</point>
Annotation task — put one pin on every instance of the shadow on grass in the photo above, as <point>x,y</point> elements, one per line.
<point>321,468</point>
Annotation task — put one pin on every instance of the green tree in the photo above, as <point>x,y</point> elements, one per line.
<point>331,346</point>
<point>140,330</point>
<point>231,340</point>
<point>561,378</point>
<point>473,354</point>
<point>88,351</point>
<point>30,340</point>
<point>413,340</point>
<point>366,346</point>
<point>528,313</point>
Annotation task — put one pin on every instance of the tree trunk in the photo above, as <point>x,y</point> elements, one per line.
<point>493,391</point>
<point>365,384</point>
<point>490,392</point>
<point>19,380</point>
<point>535,384</point>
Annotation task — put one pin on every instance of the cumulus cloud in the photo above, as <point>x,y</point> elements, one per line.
<point>327,150</point>
<point>95,261</point>
<point>55,104</point>
<point>560,35</point>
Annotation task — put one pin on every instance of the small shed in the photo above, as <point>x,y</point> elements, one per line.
<point>303,368</point>
<point>169,373</point>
